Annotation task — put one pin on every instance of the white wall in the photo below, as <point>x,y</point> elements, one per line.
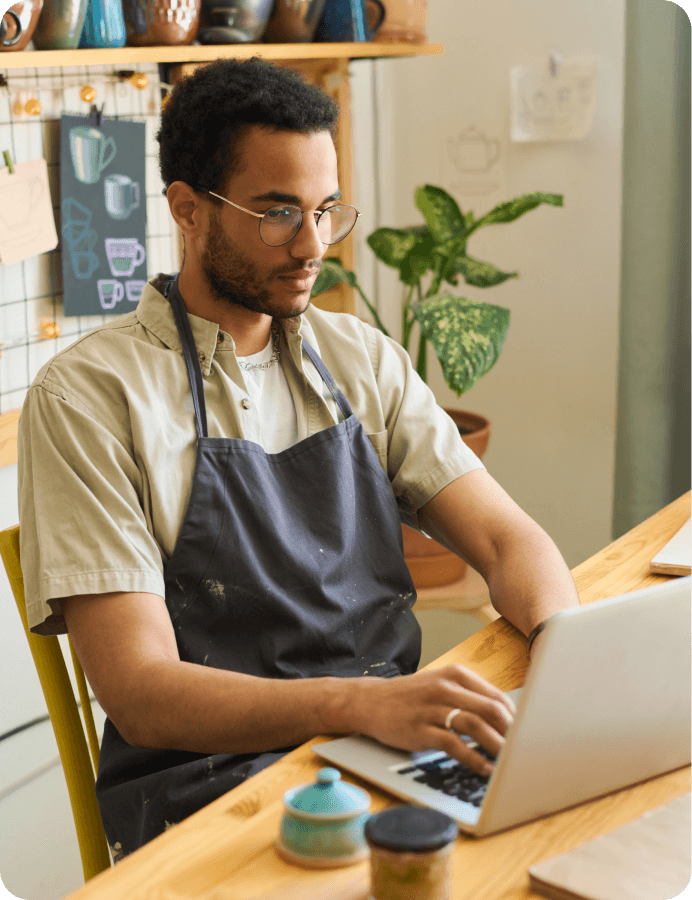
<point>551,397</point>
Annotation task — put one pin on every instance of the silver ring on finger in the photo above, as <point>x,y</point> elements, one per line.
<point>450,719</point>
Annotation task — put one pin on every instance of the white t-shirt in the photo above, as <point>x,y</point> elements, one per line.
<point>271,397</point>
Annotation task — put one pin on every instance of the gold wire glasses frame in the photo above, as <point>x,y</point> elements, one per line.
<point>298,220</point>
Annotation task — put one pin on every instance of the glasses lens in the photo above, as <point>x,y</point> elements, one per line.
<point>279,224</point>
<point>335,223</point>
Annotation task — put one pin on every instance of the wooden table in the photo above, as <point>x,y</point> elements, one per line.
<point>225,851</point>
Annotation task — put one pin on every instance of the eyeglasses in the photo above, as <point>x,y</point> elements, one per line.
<point>279,224</point>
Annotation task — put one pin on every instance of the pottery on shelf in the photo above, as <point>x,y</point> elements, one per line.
<point>293,22</point>
<point>18,24</point>
<point>161,22</point>
<point>234,21</point>
<point>404,23</point>
<point>60,25</point>
<point>104,25</point>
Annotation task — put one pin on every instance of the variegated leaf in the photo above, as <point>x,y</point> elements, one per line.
<point>512,209</point>
<point>467,336</point>
<point>477,273</point>
<point>441,213</point>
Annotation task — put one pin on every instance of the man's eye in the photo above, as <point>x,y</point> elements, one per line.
<point>277,213</point>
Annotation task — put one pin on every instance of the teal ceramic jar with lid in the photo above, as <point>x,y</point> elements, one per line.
<point>323,823</point>
<point>410,853</point>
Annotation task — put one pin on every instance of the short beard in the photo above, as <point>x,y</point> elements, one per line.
<point>234,279</point>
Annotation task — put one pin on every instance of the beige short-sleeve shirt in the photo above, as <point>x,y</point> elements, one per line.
<point>107,440</point>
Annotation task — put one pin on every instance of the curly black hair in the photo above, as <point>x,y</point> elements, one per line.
<point>209,111</point>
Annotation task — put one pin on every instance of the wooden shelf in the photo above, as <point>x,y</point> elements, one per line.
<point>124,56</point>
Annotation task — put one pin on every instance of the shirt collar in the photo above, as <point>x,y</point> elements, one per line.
<point>155,314</point>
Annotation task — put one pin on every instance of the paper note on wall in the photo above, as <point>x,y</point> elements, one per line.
<point>103,206</point>
<point>552,106</point>
<point>27,227</point>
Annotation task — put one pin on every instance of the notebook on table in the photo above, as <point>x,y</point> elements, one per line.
<point>606,704</point>
<point>676,557</point>
<point>646,859</point>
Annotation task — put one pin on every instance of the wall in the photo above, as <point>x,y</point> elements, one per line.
<point>30,291</point>
<point>552,395</point>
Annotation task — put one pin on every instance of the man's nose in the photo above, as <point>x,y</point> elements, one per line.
<point>307,244</point>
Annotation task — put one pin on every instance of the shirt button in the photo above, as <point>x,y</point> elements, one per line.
<point>202,356</point>
<point>245,403</point>
<point>219,338</point>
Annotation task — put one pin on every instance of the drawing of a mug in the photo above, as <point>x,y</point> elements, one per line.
<point>110,292</point>
<point>133,290</point>
<point>18,197</point>
<point>84,260</point>
<point>122,195</point>
<point>124,255</point>
<point>91,152</point>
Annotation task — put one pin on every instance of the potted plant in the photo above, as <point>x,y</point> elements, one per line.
<point>466,335</point>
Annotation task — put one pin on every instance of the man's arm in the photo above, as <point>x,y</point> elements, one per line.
<point>526,575</point>
<point>126,645</point>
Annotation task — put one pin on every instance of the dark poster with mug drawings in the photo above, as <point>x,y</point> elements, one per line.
<point>103,214</point>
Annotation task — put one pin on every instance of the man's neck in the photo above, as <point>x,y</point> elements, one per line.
<point>249,330</point>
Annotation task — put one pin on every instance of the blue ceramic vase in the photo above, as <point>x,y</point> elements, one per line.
<point>104,25</point>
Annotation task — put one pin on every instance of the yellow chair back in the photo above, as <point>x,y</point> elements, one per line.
<point>64,716</point>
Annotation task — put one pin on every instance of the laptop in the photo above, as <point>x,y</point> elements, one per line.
<point>606,704</point>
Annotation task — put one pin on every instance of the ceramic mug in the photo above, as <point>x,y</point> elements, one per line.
<point>91,152</point>
<point>349,20</point>
<point>293,21</point>
<point>18,24</point>
<point>235,21</point>
<point>60,25</point>
<point>152,22</point>
<point>104,25</point>
<point>121,195</point>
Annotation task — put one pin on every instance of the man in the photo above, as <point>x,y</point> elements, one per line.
<point>211,487</point>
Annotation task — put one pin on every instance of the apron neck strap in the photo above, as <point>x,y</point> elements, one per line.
<point>340,398</point>
<point>194,371</point>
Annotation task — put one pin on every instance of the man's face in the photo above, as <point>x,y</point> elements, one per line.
<point>276,168</point>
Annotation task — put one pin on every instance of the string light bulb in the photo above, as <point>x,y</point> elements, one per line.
<point>33,107</point>
<point>88,93</point>
<point>139,80</point>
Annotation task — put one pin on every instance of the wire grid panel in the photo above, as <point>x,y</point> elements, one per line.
<point>31,290</point>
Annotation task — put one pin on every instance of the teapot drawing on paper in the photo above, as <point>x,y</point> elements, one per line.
<point>473,151</point>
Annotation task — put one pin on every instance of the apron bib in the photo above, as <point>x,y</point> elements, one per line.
<point>287,565</point>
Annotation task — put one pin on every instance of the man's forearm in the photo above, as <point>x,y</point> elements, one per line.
<point>185,706</point>
<point>529,580</point>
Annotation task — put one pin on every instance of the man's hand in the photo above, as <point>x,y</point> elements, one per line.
<point>409,713</point>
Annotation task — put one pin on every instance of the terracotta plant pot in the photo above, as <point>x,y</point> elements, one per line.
<point>429,563</point>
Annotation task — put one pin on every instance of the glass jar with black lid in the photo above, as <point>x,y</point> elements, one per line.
<point>410,853</point>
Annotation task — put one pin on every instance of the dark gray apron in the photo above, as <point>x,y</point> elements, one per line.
<point>287,565</point>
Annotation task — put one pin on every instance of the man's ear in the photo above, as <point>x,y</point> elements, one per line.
<point>187,208</point>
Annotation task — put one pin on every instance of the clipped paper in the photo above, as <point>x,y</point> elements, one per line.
<point>552,107</point>
<point>27,227</point>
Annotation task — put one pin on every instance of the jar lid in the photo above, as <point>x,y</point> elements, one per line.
<point>410,829</point>
<point>328,797</point>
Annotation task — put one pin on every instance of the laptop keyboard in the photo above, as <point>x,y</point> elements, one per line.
<point>451,777</point>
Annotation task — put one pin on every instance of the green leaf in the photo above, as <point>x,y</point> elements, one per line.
<point>512,209</point>
<point>331,274</point>
<point>441,212</point>
<point>418,260</point>
<point>467,336</point>
<point>392,245</point>
<point>477,273</point>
